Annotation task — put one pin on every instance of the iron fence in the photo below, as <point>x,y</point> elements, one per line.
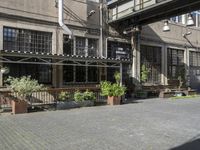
<point>46,97</point>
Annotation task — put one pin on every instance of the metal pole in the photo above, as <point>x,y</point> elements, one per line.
<point>121,73</point>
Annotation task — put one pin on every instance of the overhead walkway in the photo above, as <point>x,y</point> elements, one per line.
<point>141,12</point>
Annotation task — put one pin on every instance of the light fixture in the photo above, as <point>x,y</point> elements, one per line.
<point>132,29</point>
<point>186,34</point>
<point>190,21</point>
<point>91,13</point>
<point>166,26</point>
<point>4,70</point>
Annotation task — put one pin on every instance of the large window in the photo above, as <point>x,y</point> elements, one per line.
<point>194,59</point>
<point>80,46</point>
<point>68,74</point>
<point>195,63</point>
<point>83,46</point>
<point>92,74</point>
<point>151,58</point>
<point>27,40</point>
<point>92,47</point>
<point>80,74</point>
<point>42,73</point>
<point>68,45</point>
<point>119,50</point>
<point>175,63</point>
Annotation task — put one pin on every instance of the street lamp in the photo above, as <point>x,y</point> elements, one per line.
<point>190,21</point>
<point>166,26</point>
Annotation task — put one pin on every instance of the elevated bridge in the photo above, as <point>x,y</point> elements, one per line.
<point>127,13</point>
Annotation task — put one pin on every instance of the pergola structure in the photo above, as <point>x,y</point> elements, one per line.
<point>18,57</point>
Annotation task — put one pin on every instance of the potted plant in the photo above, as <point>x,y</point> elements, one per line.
<point>114,91</point>
<point>65,101</point>
<point>23,87</point>
<point>84,98</point>
<point>144,76</point>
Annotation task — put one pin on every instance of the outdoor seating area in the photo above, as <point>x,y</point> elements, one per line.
<point>166,91</point>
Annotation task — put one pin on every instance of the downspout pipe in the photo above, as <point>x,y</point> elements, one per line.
<point>61,20</point>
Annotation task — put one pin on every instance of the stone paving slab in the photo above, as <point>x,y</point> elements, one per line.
<point>153,124</point>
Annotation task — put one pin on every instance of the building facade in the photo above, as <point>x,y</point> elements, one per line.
<point>32,43</point>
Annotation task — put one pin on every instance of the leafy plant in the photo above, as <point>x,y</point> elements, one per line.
<point>117,77</point>
<point>180,75</point>
<point>64,96</point>
<point>87,95</point>
<point>115,89</point>
<point>106,88</point>
<point>78,96</point>
<point>144,74</point>
<point>83,96</point>
<point>24,86</point>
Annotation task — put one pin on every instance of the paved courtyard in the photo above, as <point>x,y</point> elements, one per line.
<point>144,125</point>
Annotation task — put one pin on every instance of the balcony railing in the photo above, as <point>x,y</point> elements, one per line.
<point>120,8</point>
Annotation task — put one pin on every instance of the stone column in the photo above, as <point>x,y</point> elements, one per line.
<point>59,71</point>
<point>187,65</point>
<point>135,43</point>
<point>164,65</point>
<point>1,48</point>
<point>57,48</point>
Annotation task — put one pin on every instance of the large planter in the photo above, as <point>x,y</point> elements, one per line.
<point>114,100</point>
<point>66,105</point>
<point>61,105</point>
<point>86,103</point>
<point>164,94</point>
<point>141,94</point>
<point>19,107</point>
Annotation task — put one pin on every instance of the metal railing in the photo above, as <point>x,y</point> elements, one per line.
<point>47,97</point>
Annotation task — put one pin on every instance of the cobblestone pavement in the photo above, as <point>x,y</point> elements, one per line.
<point>153,124</point>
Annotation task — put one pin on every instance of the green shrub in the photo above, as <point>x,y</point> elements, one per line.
<point>83,96</point>
<point>64,96</point>
<point>144,74</point>
<point>87,95</point>
<point>78,96</point>
<point>115,89</point>
<point>106,88</point>
<point>109,89</point>
<point>24,86</point>
<point>117,77</point>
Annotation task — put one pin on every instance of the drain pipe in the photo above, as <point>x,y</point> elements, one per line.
<point>61,20</point>
<point>101,30</point>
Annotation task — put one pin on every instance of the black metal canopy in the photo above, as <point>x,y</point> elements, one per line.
<point>55,59</point>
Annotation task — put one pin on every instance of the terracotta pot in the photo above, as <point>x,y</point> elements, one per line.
<point>114,100</point>
<point>19,107</point>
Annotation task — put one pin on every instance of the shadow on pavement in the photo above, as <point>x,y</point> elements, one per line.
<point>193,144</point>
